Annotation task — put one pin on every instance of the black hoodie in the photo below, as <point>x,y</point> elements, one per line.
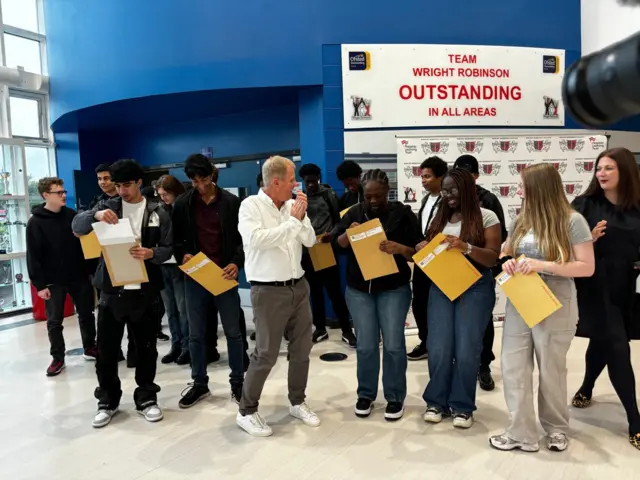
<point>400,225</point>
<point>54,253</point>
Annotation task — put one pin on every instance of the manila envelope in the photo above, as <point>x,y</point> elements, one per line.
<point>321,254</point>
<point>530,295</point>
<point>201,269</point>
<point>448,269</point>
<point>365,241</point>
<point>343,212</point>
<point>90,246</point>
<point>123,269</point>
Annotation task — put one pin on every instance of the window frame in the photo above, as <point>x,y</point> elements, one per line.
<point>41,100</point>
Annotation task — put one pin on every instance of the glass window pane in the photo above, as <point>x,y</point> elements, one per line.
<point>25,117</point>
<point>22,52</point>
<point>21,14</point>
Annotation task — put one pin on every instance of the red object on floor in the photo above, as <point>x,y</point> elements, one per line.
<point>39,312</point>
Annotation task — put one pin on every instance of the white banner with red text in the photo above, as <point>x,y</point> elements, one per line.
<point>451,85</point>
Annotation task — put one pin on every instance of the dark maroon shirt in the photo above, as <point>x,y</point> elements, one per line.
<point>209,229</point>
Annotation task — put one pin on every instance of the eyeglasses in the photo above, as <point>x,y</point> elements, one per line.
<point>60,193</point>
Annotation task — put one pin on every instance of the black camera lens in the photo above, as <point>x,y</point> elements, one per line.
<point>604,87</point>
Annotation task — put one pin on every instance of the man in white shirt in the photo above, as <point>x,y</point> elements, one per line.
<point>274,228</point>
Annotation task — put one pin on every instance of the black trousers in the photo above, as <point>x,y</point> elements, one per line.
<point>138,313</point>
<point>212,329</point>
<point>131,349</point>
<point>421,288</point>
<point>82,295</point>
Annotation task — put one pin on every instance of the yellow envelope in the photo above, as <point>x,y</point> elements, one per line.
<point>201,269</point>
<point>448,269</point>
<point>321,254</point>
<point>530,295</point>
<point>90,246</point>
<point>365,240</point>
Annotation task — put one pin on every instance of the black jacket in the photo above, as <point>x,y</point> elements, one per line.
<point>54,253</point>
<point>101,197</point>
<point>432,213</point>
<point>490,202</point>
<point>158,238</point>
<point>185,238</point>
<point>401,226</point>
<point>348,198</point>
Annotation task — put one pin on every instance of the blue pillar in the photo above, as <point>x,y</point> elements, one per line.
<point>333,116</point>
<point>311,124</point>
<point>68,160</point>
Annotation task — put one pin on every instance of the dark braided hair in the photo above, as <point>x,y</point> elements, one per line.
<point>376,175</point>
<point>472,230</point>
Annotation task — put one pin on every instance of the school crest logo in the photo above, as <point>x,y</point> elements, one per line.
<point>514,212</point>
<point>465,146</point>
<point>505,191</point>
<point>561,167</point>
<point>538,145</point>
<point>412,171</point>
<point>516,168</point>
<point>434,148</point>
<point>573,188</point>
<point>571,145</point>
<point>490,168</point>
<point>585,167</point>
<point>504,146</point>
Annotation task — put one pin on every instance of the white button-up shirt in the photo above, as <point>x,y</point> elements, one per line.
<point>272,239</point>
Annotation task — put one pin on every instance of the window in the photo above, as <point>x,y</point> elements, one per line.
<point>22,52</point>
<point>20,14</point>
<point>25,116</point>
<point>39,165</point>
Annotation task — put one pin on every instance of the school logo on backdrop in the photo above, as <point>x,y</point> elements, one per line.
<point>409,195</point>
<point>490,168</point>
<point>504,146</point>
<point>514,212</point>
<point>585,167</point>
<point>361,108</point>
<point>538,145</point>
<point>517,168</point>
<point>435,148</point>
<point>561,167</point>
<point>408,148</point>
<point>465,146</point>
<point>573,188</point>
<point>412,171</point>
<point>596,145</point>
<point>550,108</point>
<point>571,145</point>
<point>505,191</point>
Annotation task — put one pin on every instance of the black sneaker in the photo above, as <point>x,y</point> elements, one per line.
<point>236,393</point>
<point>194,394</point>
<point>394,411</point>
<point>320,335</point>
<point>486,381</point>
<point>163,337</point>
<point>349,338</point>
<point>172,356</point>
<point>184,358</point>
<point>213,356</point>
<point>363,407</point>
<point>418,353</point>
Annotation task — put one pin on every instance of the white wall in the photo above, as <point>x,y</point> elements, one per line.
<point>605,22</point>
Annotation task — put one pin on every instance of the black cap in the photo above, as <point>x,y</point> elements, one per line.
<point>467,162</point>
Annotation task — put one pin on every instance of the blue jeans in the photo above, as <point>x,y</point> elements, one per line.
<point>175,305</point>
<point>228,305</point>
<point>373,313</point>
<point>456,330</point>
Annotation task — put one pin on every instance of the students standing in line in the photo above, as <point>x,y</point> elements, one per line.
<point>324,213</point>
<point>205,220</point>
<point>381,305</point>
<point>432,171</point>
<point>350,173</point>
<point>557,244</point>
<point>105,183</point>
<point>173,296</point>
<point>611,205</point>
<point>456,328</point>
<point>56,267</point>
<point>274,228</point>
<point>488,201</point>
<point>131,304</point>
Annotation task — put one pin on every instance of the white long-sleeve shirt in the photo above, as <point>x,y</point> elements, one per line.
<point>272,239</point>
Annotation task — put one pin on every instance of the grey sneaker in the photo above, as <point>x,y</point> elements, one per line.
<point>103,417</point>
<point>557,442</point>
<point>152,413</point>
<point>504,443</point>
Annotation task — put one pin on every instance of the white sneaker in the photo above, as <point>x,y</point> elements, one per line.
<point>557,442</point>
<point>304,413</point>
<point>254,425</point>
<point>152,413</point>
<point>462,420</point>
<point>504,443</point>
<point>103,417</point>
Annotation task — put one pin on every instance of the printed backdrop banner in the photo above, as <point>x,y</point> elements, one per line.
<point>501,159</point>
<point>446,85</point>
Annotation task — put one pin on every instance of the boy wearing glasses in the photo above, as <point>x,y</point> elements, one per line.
<point>56,267</point>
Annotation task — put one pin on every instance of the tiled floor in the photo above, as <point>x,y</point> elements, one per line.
<point>45,428</point>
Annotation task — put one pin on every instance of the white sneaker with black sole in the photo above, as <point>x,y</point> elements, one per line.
<point>103,417</point>
<point>304,413</point>
<point>463,420</point>
<point>254,425</point>
<point>394,411</point>
<point>363,407</point>
<point>434,414</point>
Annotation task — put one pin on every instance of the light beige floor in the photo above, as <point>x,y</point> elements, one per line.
<point>45,428</point>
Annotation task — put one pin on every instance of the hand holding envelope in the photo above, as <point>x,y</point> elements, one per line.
<point>213,278</point>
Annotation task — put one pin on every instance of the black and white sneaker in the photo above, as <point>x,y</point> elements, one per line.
<point>418,353</point>
<point>236,393</point>
<point>363,407</point>
<point>320,335</point>
<point>462,420</point>
<point>349,338</point>
<point>394,411</point>
<point>194,393</point>
<point>434,414</point>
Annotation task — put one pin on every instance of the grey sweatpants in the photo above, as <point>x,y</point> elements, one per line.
<point>274,310</point>
<point>549,341</point>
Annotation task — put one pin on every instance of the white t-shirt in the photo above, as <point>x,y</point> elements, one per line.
<point>135,213</point>
<point>489,219</point>
<point>426,211</point>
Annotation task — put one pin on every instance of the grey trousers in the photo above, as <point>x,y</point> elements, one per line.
<point>274,310</point>
<point>549,341</point>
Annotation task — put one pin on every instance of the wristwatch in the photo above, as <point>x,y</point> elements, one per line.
<point>469,248</point>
